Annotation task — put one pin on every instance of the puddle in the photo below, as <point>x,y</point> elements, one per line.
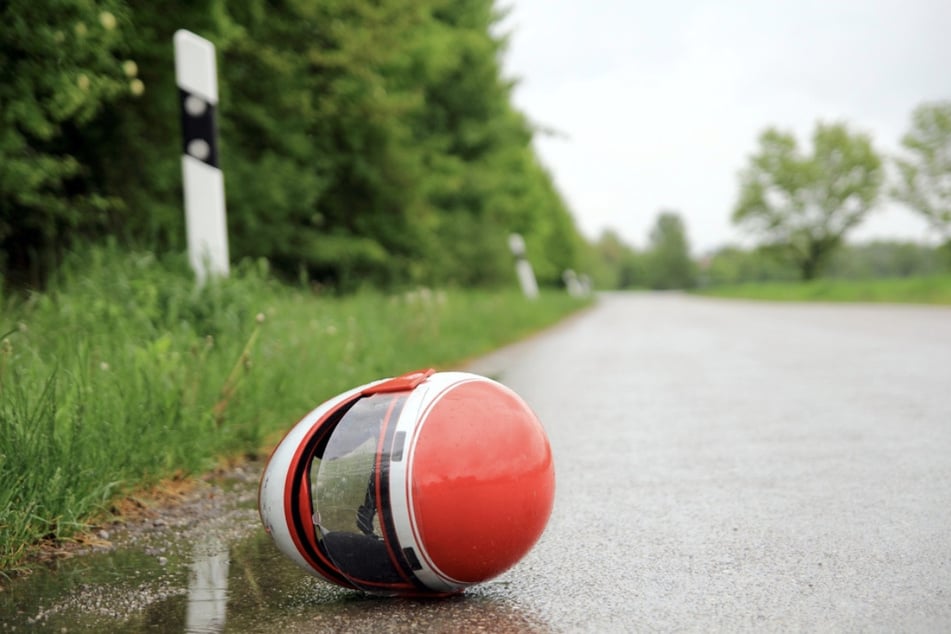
<point>223,574</point>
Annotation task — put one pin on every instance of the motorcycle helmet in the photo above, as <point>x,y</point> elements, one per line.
<point>426,483</point>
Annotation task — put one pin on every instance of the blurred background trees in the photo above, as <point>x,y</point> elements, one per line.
<point>669,263</point>
<point>924,172</point>
<point>871,260</point>
<point>375,143</point>
<point>362,142</point>
<point>60,64</point>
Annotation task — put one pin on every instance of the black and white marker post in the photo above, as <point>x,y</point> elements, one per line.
<point>523,268</point>
<point>197,78</point>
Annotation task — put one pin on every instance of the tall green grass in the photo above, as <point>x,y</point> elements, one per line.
<point>124,373</point>
<point>910,290</point>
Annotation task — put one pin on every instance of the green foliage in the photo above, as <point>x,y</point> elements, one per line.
<point>669,265</point>
<point>666,264</point>
<point>910,290</point>
<point>362,142</point>
<point>804,205</point>
<point>133,149</point>
<point>61,63</point>
<point>732,265</point>
<point>617,265</point>
<point>124,372</point>
<point>924,175</point>
<point>887,259</point>
<point>874,260</point>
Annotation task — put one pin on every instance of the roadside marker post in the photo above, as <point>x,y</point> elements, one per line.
<point>204,190</point>
<point>572,283</point>
<point>523,268</point>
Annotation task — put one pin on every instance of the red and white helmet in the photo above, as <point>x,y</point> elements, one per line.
<point>420,484</point>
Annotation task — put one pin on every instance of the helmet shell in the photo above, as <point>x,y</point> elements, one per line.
<point>424,483</point>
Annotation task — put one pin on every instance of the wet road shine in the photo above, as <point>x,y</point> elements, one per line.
<point>720,466</point>
<point>728,465</point>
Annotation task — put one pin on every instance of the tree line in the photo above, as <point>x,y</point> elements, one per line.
<point>800,204</point>
<point>372,142</point>
<point>366,141</point>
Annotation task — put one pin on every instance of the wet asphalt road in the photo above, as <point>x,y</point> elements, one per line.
<point>728,465</point>
<point>720,466</point>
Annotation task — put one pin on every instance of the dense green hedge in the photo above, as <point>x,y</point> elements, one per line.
<point>362,141</point>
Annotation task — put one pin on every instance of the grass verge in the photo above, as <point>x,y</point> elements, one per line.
<point>914,290</point>
<point>125,373</point>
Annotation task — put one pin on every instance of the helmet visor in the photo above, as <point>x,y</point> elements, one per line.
<point>350,495</point>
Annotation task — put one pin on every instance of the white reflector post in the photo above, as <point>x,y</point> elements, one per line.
<point>197,78</point>
<point>523,268</point>
<point>573,283</point>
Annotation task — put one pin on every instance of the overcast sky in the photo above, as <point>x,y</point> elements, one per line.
<point>658,104</point>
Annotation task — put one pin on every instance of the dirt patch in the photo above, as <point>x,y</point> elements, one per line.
<point>177,503</point>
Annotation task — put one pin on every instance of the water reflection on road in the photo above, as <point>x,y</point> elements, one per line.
<point>208,586</point>
<point>202,582</point>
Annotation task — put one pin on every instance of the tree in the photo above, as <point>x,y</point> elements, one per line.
<point>620,265</point>
<point>482,175</point>
<point>60,64</point>
<point>362,141</point>
<point>668,257</point>
<point>733,265</point>
<point>804,205</point>
<point>884,258</point>
<point>924,176</point>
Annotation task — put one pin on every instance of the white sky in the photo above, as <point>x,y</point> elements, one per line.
<point>658,105</point>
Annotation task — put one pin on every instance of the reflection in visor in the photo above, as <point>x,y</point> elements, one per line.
<point>350,489</point>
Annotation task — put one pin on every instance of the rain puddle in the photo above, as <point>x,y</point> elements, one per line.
<point>221,573</point>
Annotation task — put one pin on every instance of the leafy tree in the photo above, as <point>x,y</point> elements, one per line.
<point>668,256</point>
<point>133,149</point>
<point>733,265</point>
<point>362,141</point>
<point>328,177</point>
<point>803,205</point>
<point>590,263</point>
<point>622,266</point>
<point>884,258</point>
<point>876,259</point>
<point>924,176</point>
<point>60,64</point>
<point>482,176</point>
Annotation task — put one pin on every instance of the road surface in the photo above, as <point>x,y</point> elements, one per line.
<point>727,465</point>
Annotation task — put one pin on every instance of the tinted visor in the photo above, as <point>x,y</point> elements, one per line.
<point>350,495</point>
